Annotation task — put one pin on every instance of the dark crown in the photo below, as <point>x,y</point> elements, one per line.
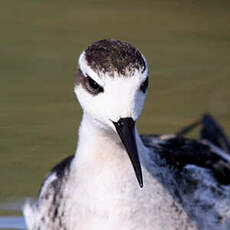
<point>111,55</point>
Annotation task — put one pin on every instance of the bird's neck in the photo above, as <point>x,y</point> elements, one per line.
<point>97,143</point>
<point>100,148</point>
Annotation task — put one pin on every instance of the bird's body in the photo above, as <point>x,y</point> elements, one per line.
<point>97,189</point>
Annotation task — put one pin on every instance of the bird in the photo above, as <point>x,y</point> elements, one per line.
<point>119,179</point>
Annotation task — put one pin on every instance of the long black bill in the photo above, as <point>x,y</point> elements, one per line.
<point>126,129</point>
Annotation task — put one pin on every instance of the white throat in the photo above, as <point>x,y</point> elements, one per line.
<point>98,143</point>
<point>100,150</point>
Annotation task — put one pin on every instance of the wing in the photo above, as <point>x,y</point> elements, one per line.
<point>200,173</point>
<point>46,212</point>
<point>210,130</point>
<point>179,152</point>
<point>56,177</point>
<point>210,152</point>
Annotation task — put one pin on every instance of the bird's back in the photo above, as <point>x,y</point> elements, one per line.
<point>201,175</point>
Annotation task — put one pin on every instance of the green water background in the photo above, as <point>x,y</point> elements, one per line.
<point>187,45</point>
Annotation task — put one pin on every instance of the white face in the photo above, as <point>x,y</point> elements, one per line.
<point>121,96</point>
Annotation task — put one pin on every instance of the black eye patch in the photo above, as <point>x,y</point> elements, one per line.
<point>144,85</point>
<point>92,86</point>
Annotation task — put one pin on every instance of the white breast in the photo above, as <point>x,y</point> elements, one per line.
<point>107,197</point>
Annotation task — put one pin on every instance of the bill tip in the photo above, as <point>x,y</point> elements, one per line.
<point>141,184</point>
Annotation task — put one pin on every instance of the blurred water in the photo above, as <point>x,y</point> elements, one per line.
<point>187,45</point>
<point>12,222</point>
<point>16,221</point>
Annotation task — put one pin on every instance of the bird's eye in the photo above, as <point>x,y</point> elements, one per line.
<point>92,86</point>
<point>144,85</point>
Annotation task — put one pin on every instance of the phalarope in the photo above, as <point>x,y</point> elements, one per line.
<point>176,186</point>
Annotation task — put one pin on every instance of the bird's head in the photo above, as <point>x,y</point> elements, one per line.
<point>111,86</point>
